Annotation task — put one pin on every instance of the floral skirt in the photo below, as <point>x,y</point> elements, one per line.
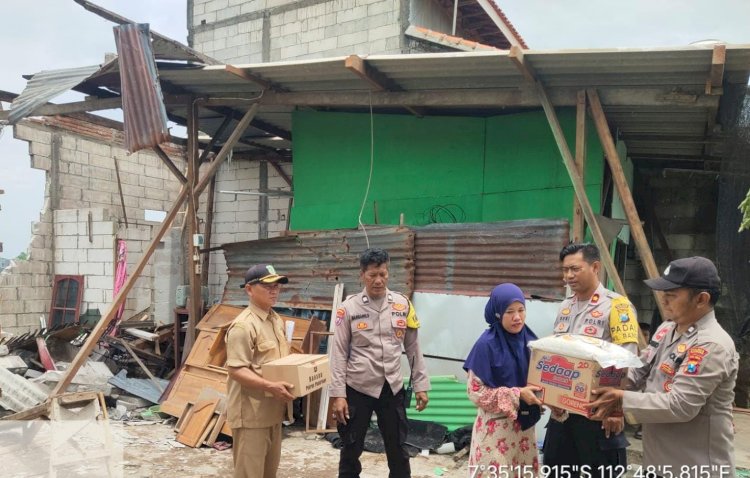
<point>500,449</point>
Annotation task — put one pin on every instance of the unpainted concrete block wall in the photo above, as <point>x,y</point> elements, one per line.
<point>81,178</point>
<point>685,207</point>
<point>254,31</point>
<point>239,217</point>
<point>95,256</point>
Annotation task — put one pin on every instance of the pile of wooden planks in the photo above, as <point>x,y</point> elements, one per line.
<point>202,421</point>
<point>205,366</point>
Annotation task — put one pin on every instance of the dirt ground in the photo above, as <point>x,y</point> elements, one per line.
<point>150,451</point>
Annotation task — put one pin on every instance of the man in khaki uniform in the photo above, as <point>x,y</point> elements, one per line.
<point>689,375</point>
<point>371,329</point>
<point>573,441</point>
<point>255,337</point>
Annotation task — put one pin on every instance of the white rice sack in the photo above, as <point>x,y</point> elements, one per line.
<point>588,348</point>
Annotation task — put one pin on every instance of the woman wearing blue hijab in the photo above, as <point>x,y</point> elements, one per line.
<point>503,441</point>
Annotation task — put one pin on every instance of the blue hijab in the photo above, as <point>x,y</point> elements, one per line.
<point>499,358</point>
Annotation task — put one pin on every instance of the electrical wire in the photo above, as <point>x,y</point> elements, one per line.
<point>445,213</point>
<point>369,179</point>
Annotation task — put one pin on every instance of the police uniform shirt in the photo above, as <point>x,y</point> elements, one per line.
<point>367,346</point>
<point>254,338</point>
<point>686,406</point>
<point>607,316</point>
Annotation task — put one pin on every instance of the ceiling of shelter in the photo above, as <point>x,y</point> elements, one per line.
<point>663,102</point>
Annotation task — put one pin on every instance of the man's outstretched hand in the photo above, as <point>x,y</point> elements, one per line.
<point>608,403</point>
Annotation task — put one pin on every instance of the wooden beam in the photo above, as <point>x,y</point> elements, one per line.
<point>208,230</point>
<point>377,80</point>
<point>195,303</point>
<point>521,97</point>
<point>281,172</point>
<point>239,130</point>
<point>716,73</point>
<point>579,189</point>
<point>579,223</point>
<point>74,107</point>
<point>119,188</point>
<point>499,22</point>
<point>618,176</point>
<point>170,165</point>
<point>271,129</point>
<point>101,326</point>
<point>516,56</point>
<point>214,139</point>
<point>140,364</point>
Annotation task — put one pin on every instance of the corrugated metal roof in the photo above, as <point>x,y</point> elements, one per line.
<point>471,258</point>
<point>316,261</point>
<point>142,102</point>
<point>46,85</point>
<point>449,404</point>
<point>645,92</point>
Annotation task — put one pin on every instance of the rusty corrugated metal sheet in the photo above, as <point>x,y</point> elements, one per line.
<point>142,102</point>
<point>470,259</point>
<point>315,261</point>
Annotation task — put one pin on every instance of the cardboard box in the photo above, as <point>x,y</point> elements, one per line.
<point>567,381</point>
<point>307,372</point>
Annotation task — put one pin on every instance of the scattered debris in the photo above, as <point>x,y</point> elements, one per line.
<point>19,394</point>
<point>140,387</point>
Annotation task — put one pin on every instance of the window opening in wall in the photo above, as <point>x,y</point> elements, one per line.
<point>67,293</point>
<point>155,216</point>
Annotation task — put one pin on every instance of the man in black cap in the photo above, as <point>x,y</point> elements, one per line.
<point>689,376</point>
<point>255,337</point>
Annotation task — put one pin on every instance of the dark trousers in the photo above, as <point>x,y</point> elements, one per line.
<point>579,442</point>
<point>391,422</point>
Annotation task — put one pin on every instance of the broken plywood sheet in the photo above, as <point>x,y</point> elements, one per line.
<point>19,394</point>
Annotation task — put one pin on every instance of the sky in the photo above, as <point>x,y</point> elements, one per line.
<point>41,35</point>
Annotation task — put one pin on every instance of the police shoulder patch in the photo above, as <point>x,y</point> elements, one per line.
<point>412,321</point>
<point>623,326</point>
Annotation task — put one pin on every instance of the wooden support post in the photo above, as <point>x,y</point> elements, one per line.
<point>137,359</point>
<point>234,138</point>
<point>516,56</point>
<point>101,326</point>
<point>579,223</point>
<point>275,165</point>
<point>579,188</point>
<point>618,176</point>
<point>716,73</point>
<point>119,188</point>
<point>338,297</point>
<point>170,165</point>
<point>207,231</point>
<point>215,138</point>
<point>192,258</point>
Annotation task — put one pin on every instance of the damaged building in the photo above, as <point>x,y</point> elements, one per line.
<point>316,129</point>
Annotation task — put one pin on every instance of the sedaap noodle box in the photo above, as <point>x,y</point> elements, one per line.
<point>566,370</point>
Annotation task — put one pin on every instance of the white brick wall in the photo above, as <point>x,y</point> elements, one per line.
<point>236,217</point>
<point>60,242</point>
<point>336,27</point>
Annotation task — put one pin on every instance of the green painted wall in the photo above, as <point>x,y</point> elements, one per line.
<point>493,169</point>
